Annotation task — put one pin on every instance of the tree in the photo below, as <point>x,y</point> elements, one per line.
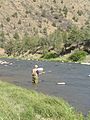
<point>75,35</point>
<point>56,41</point>
<point>65,11</point>
<point>30,43</point>
<point>9,47</point>
<point>2,36</point>
<point>2,39</point>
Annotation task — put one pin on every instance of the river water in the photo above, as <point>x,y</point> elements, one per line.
<point>76,91</point>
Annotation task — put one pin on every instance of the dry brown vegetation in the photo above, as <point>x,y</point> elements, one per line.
<point>41,16</point>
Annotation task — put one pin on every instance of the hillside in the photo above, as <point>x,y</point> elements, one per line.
<point>41,16</point>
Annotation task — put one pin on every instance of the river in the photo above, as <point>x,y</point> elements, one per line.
<point>76,91</point>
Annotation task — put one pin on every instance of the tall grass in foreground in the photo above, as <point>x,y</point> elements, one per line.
<point>21,104</point>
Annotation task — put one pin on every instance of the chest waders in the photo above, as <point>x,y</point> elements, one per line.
<point>35,79</point>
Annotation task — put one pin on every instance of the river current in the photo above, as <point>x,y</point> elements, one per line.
<point>76,91</point>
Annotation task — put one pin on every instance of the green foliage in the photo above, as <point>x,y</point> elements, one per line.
<point>79,12</point>
<point>8,19</point>
<point>19,22</point>
<point>56,40</point>
<point>26,43</point>
<point>28,11</point>
<point>15,15</point>
<point>13,47</point>
<point>2,39</point>
<point>86,32</point>
<point>59,41</point>
<point>17,48</point>
<point>50,55</point>
<point>9,47</point>
<point>54,24</point>
<point>75,18</point>
<point>21,104</point>
<point>54,1</point>
<point>62,1</point>
<point>30,43</point>
<point>78,56</point>
<point>75,35</point>
<point>65,10</point>
<point>16,35</point>
<point>88,117</point>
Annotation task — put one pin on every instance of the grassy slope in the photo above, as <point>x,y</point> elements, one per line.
<point>21,104</point>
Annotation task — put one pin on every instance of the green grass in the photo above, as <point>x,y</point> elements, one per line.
<point>21,104</point>
<point>57,59</point>
<point>64,58</point>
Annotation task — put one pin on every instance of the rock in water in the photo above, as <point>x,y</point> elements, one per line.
<point>61,83</point>
<point>89,75</point>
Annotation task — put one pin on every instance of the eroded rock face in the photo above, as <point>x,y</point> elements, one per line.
<point>2,51</point>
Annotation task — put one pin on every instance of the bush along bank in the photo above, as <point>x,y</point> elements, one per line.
<point>75,56</point>
<point>62,42</point>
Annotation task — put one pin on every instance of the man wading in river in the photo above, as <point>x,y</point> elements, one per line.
<point>35,74</point>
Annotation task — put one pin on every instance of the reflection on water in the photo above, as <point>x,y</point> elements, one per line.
<point>77,88</point>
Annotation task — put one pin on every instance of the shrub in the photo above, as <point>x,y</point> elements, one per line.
<point>15,15</point>
<point>50,55</point>
<point>78,56</point>
<point>54,1</point>
<point>75,18</point>
<point>54,24</point>
<point>28,11</point>
<point>65,10</point>
<point>62,1</point>
<point>16,35</point>
<point>79,12</point>
<point>8,19</point>
<point>19,22</point>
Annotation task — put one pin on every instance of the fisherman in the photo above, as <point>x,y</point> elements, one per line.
<point>36,71</point>
<point>35,75</point>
